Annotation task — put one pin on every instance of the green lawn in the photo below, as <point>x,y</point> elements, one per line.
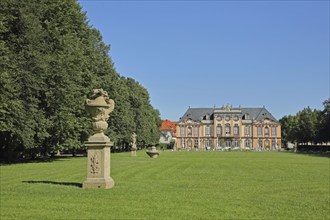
<point>177,185</point>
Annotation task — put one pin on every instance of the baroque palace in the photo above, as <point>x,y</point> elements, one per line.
<point>227,127</point>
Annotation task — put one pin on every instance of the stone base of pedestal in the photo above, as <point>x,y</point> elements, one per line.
<point>133,153</point>
<point>98,165</point>
<point>97,183</point>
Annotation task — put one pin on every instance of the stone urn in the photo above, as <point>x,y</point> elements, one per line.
<point>98,145</point>
<point>153,152</point>
<point>99,107</point>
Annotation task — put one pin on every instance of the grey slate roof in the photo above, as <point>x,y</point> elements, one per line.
<point>196,114</point>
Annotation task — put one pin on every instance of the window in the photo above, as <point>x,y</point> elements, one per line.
<point>218,142</point>
<point>236,143</point>
<point>207,130</point>
<point>219,130</point>
<point>273,131</point>
<point>183,131</point>
<point>248,143</point>
<point>273,144</point>
<point>219,118</point>
<point>182,142</point>
<point>208,143</point>
<point>247,131</point>
<point>196,143</point>
<point>236,118</point>
<point>246,116</point>
<point>227,130</point>
<point>236,130</point>
<point>260,143</point>
<point>266,131</point>
<point>227,118</point>
<point>228,143</point>
<point>259,131</point>
<point>196,131</point>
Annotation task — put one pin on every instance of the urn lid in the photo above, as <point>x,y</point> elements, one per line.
<point>98,102</point>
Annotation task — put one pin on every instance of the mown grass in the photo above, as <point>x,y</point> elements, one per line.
<point>177,185</point>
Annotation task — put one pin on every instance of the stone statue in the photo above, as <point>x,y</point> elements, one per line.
<point>134,140</point>
<point>133,148</point>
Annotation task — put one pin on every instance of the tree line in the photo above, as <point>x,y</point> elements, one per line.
<point>307,126</point>
<point>51,59</point>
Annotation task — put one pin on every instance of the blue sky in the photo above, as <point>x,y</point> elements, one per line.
<point>205,53</point>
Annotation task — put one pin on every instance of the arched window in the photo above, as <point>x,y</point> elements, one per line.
<point>227,128</point>
<point>274,144</point>
<point>273,131</point>
<point>196,131</point>
<point>247,131</point>
<point>248,143</point>
<point>183,133</point>
<point>259,131</point>
<point>182,143</point>
<point>219,130</point>
<point>207,130</point>
<point>236,129</point>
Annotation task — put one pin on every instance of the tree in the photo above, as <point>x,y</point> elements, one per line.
<point>307,125</point>
<point>323,133</point>
<point>50,60</point>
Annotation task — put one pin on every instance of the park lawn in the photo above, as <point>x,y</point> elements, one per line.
<point>177,185</point>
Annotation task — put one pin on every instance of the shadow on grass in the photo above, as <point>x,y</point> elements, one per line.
<point>38,160</point>
<point>308,153</point>
<point>79,185</point>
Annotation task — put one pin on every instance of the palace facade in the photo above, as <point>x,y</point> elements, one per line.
<point>227,127</point>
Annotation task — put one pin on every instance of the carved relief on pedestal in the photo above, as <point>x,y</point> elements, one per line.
<point>95,164</point>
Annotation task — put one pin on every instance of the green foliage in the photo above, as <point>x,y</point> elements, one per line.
<point>307,126</point>
<point>177,185</point>
<point>50,60</point>
<point>323,134</point>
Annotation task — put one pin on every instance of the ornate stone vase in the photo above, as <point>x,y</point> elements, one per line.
<point>153,153</point>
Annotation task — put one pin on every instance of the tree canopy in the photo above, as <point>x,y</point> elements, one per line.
<point>50,60</point>
<point>307,125</point>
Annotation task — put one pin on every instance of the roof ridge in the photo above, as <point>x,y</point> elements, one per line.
<point>259,113</point>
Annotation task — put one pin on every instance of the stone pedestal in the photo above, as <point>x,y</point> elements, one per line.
<point>133,153</point>
<point>98,165</point>
<point>98,145</point>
